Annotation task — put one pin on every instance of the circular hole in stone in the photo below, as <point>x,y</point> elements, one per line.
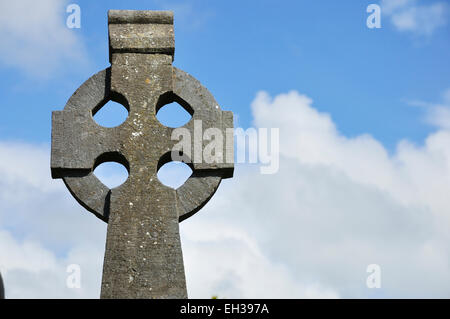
<point>173,115</point>
<point>112,174</point>
<point>111,114</point>
<point>174,174</point>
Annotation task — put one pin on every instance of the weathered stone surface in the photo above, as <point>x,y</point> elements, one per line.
<point>141,32</point>
<point>143,257</point>
<point>140,17</point>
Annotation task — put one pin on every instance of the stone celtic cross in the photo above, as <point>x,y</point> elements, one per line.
<point>143,257</point>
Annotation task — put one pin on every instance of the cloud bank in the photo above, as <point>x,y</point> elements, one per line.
<point>336,205</point>
<point>35,38</point>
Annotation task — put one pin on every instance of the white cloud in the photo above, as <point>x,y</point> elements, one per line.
<point>336,205</point>
<point>410,16</point>
<point>42,229</point>
<point>222,259</point>
<point>389,6</point>
<point>33,271</point>
<point>35,38</point>
<point>437,114</point>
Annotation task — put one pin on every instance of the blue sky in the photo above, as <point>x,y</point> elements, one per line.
<point>363,77</point>
<point>364,153</point>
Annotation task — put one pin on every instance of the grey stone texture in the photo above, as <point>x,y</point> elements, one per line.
<point>2,288</point>
<point>143,257</point>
